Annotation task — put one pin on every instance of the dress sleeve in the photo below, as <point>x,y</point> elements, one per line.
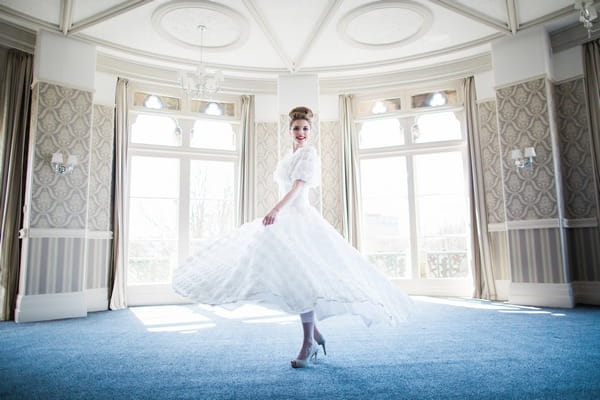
<point>307,168</point>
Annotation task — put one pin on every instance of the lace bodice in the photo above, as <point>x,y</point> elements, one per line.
<point>305,165</point>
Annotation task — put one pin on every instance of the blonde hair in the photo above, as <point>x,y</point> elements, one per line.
<point>302,112</point>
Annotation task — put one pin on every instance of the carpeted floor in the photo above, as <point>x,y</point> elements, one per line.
<point>449,349</point>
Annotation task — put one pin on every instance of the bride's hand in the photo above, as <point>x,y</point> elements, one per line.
<point>270,217</point>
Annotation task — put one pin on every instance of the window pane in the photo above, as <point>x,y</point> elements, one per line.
<point>153,101</point>
<point>385,230</point>
<point>382,106</point>
<point>153,216</point>
<point>156,129</point>
<point>218,135</point>
<point>442,215</point>
<point>212,199</point>
<point>436,127</point>
<point>213,108</point>
<point>435,99</point>
<point>380,133</point>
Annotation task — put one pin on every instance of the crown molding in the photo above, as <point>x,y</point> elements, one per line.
<point>17,37</point>
<point>571,36</point>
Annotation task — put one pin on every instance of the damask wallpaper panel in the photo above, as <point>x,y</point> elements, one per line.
<point>584,257</point>
<point>499,255</point>
<point>492,161</point>
<point>331,163</point>
<point>267,156</point>
<point>535,256</point>
<point>524,120</point>
<point>99,210</point>
<point>62,123</point>
<point>55,265</point>
<point>579,189</point>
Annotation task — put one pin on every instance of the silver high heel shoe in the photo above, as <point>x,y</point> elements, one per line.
<point>322,344</point>
<point>312,356</point>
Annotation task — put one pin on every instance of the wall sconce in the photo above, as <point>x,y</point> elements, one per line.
<point>525,159</point>
<point>587,14</point>
<point>61,168</point>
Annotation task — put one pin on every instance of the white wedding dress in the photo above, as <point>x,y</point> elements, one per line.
<point>297,264</point>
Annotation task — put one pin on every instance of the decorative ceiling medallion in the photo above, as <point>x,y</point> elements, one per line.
<point>385,24</point>
<point>178,22</point>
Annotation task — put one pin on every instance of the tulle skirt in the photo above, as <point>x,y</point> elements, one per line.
<point>298,264</point>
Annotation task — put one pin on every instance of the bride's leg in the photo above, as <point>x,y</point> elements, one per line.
<point>308,326</point>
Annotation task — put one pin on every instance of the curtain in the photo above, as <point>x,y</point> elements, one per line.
<point>246,163</point>
<point>118,276</point>
<point>349,180</point>
<point>483,274</point>
<point>592,82</point>
<point>16,103</point>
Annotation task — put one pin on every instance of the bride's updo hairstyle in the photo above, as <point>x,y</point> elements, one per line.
<point>304,113</point>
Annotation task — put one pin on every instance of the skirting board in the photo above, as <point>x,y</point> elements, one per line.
<point>587,292</point>
<point>96,299</point>
<point>542,294</point>
<point>44,307</point>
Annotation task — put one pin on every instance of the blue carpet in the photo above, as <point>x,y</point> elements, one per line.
<point>449,349</point>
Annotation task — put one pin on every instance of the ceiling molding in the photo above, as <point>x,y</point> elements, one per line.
<point>268,31</point>
<point>513,18</point>
<point>357,12</point>
<point>26,20</point>
<point>474,15</point>
<point>571,36</point>
<point>317,30</point>
<point>556,14</point>
<point>66,16</point>
<point>17,37</point>
<point>107,14</point>
<point>391,62</point>
<point>377,81</point>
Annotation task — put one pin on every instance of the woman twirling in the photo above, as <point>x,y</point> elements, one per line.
<point>292,259</point>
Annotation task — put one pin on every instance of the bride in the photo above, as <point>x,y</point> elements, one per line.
<point>292,259</point>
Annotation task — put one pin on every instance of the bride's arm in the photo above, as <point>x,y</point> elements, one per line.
<point>289,196</point>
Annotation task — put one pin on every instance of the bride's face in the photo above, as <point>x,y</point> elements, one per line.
<point>300,130</point>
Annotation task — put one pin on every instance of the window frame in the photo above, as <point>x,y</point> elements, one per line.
<point>415,284</point>
<point>161,293</point>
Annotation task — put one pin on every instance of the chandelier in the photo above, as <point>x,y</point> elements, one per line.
<point>587,14</point>
<point>201,83</point>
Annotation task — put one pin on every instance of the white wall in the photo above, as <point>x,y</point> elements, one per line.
<point>265,108</point>
<point>521,57</point>
<point>298,90</point>
<point>64,60</point>
<point>484,85</point>
<point>568,63</point>
<point>106,86</point>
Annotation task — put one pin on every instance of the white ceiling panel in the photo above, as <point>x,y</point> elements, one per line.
<point>246,37</point>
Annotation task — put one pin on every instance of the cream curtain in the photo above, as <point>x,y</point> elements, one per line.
<point>592,81</point>
<point>118,276</point>
<point>246,185</point>
<point>350,194</point>
<point>16,104</point>
<point>483,273</point>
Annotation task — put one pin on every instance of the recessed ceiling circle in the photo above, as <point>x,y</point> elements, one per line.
<point>179,22</point>
<point>385,24</point>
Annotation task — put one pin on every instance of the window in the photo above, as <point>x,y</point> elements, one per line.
<point>414,201</point>
<point>184,164</point>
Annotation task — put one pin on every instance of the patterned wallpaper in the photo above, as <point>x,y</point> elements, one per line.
<point>101,172</point>
<point>535,255</point>
<point>523,121</point>
<point>499,255</point>
<point>63,123</point>
<point>331,158</point>
<point>267,155</point>
<point>576,159</point>
<point>491,160</point>
<point>55,265</point>
<point>584,260</point>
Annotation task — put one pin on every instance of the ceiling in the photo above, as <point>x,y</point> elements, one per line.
<point>260,39</point>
